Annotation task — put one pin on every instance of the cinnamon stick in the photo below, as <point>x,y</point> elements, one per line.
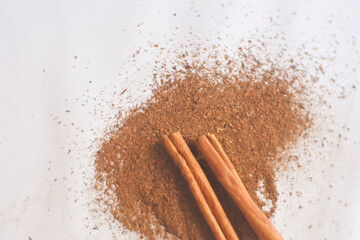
<point>194,187</point>
<point>204,185</point>
<point>228,177</point>
<point>216,144</point>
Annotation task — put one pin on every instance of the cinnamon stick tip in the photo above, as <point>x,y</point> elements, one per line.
<point>175,134</point>
<point>164,139</point>
<point>201,137</point>
<point>210,135</point>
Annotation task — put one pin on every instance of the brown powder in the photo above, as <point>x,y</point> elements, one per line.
<point>255,109</point>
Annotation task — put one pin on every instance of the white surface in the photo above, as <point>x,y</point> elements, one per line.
<point>37,35</point>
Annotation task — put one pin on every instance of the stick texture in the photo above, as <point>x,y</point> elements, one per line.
<point>228,177</point>
<point>204,185</point>
<point>194,187</point>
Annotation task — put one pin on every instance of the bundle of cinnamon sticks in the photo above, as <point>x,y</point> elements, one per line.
<point>205,196</point>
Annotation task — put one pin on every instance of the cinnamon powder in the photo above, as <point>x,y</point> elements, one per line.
<point>255,109</point>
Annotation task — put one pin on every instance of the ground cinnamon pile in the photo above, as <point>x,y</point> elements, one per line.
<point>256,110</point>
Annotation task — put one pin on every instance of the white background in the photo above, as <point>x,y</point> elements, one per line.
<point>40,79</point>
